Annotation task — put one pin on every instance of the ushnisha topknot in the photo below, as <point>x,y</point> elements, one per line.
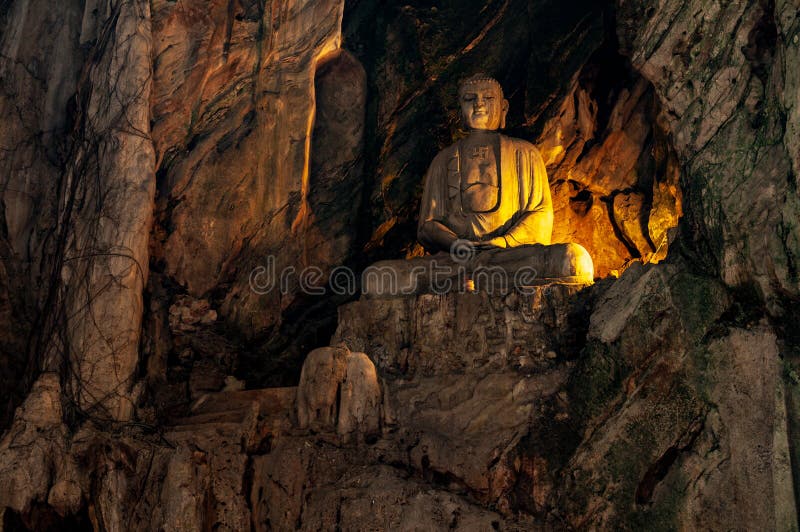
<point>478,78</point>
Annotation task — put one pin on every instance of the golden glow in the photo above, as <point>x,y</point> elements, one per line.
<point>585,266</point>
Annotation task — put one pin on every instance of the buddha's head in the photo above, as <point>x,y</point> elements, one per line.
<point>482,103</point>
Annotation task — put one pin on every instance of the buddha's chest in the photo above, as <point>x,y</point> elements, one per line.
<point>480,180</point>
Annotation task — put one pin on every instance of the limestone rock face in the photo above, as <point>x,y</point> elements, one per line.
<point>666,433</point>
<point>320,384</point>
<point>629,403</point>
<point>78,201</point>
<point>39,72</point>
<point>258,124</point>
<point>107,250</point>
<point>468,376</point>
<point>751,427</point>
<point>154,154</point>
<point>450,427</point>
<point>234,156</point>
<point>722,75</point>
<point>360,405</point>
<point>611,437</point>
<point>378,497</point>
<point>613,174</point>
<point>433,334</point>
<point>28,463</point>
<point>336,178</point>
<point>66,497</point>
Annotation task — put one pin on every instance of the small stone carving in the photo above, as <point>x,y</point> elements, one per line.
<point>339,391</point>
<point>317,403</point>
<point>360,403</point>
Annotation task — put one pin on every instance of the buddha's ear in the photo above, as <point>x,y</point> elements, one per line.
<point>503,113</point>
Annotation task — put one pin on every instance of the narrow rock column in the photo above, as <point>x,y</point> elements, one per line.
<point>109,206</point>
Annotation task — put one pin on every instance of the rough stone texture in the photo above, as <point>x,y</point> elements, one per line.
<point>13,330</point>
<point>105,264</point>
<point>452,426</point>
<point>65,497</point>
<point>613,175</point>
<point>644,424</point>
<point>40,62</point>
<point>206,61</point>
<point>206,358</point>
<point>258,123</point>
<point>360,404</point>
<point>339,392</point>
<point>234,155</point>
<point>238,445</point>
<point>668,437</point>
<point>628,404</point>
<point>336,488</point>
<point>468,376</point>
<point>320,386</point>
<point>336,167</point>
<point>31,449</point>
<point>745,440</point>
<point>433,334</point>
<point>675,407</point>
<point>722,74</point>
<point>78,190</point>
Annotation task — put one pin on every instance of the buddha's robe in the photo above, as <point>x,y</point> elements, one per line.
<point>502,193</point>
<point>523,212</point>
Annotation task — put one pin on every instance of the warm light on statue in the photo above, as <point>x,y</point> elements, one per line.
<point>490,192</point>
<point>488,189</point>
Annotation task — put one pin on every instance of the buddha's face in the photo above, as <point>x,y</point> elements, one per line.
<point>483,106</point>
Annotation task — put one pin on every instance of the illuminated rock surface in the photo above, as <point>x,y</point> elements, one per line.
<point>665,399</point>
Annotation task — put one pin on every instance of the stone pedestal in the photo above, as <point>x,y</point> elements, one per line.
<point>432,334</point>
<point>466,376</point>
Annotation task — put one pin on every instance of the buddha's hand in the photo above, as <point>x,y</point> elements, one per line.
<point>497,242</point>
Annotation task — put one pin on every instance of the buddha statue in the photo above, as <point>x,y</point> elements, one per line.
<point>486,206</point>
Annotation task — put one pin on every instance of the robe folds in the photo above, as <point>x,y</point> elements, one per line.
<point>524,212</point>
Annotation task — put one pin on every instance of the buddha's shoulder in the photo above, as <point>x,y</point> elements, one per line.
<point>446,154</point>
<point>519,144</point>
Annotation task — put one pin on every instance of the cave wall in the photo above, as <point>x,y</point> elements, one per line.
<point>233,115</point>
<point>188,141</point>
<point>78,194</point>
<point>231,86</point>
<point>231,83</point>
<point>38,79</point>
<point>732,111</point>
<point>614,175</point>
<point>353,194</point>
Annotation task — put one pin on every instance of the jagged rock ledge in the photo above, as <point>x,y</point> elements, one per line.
<point>433,334</point>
